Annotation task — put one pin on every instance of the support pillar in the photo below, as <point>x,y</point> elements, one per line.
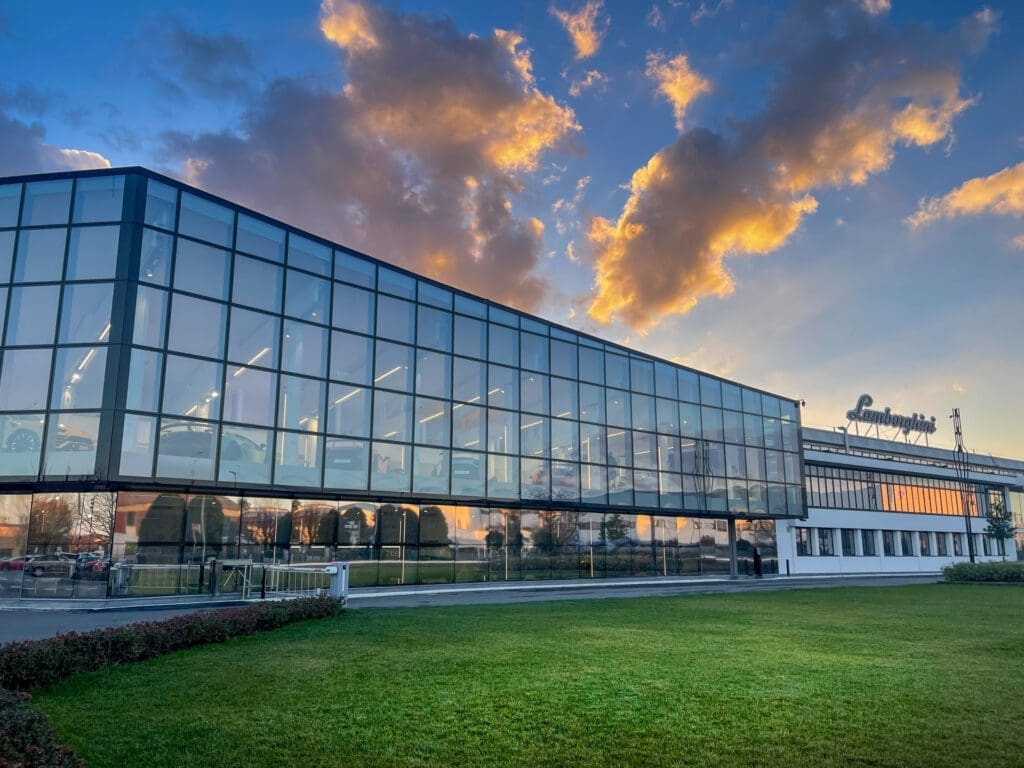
<point>733,566</point>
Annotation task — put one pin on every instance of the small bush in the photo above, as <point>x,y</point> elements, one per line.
<point>32,663</point>
<point>1011,571</point>
<point>26,739</point>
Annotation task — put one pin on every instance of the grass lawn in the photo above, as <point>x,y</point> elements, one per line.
<point>922,675</point>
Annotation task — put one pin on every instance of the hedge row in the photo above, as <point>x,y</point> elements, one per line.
<point>26,739</point>
<point>28,664</point>
<point>1010,571</point>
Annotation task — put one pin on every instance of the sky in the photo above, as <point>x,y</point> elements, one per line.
<point>821,199</point>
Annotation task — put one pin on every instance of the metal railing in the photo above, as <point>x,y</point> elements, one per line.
<point>282,581</point>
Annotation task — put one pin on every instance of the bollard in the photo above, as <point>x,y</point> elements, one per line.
<point>339,581</point>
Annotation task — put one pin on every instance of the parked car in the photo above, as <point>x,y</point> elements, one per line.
<point>16,563</point>
<point>52,565</point>
<point>27,438</point>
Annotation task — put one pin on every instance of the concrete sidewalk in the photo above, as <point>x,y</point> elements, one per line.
<point>27,620</point>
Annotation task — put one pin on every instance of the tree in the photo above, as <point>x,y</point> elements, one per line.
<point>614,528</point>
<point>494,539</point>
<point>1000,522</point>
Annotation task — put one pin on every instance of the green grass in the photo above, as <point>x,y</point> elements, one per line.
<point>921,675</point>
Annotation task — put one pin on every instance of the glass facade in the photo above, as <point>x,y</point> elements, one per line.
<point>154,337</point>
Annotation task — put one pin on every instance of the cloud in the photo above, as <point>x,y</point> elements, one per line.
<point>654,18</point>
<point>876,7</point>
<point>1002,193</point>
<point>676,81</point>
<point>23,149</point>
<point>593,78</point>
<point>850,91</point>
<point>708,9</point>
<point>216,66</point>
<point>1018,242</point>
<point>416,159</point>
<point>586,30</point>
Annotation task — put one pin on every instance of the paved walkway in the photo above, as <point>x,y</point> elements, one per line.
<point>46,618</point>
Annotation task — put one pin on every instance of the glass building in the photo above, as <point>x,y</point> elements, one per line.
<point>184,379</point>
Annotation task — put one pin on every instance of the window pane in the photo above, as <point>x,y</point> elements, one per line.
<point>390,281</point>
<point>205,220</point>
<point>257,284</point>
<point>138,441</point>
<point>249,396</point>
<point>71,444</point>
<point>668,416</point>
<point>32,315</point>
<point>592,403</point>
<point>245,455</point>
<point>253,339</point>
<point>502,477</point>
<point>535,477</point>
<point>593,484</point>
<point>563,359</point>
<point>591,365</point>
<point>389,467</point>
<point>85,312</point>
<point>300,403</point>
<point>78,376</point>
<point>502,387</point>
<point>348,411</point>
<point>353,309</point>
<point>563,398</point>
<point>642,376</point>
<point>396,319</point>
<point>24,379</point>
<point>22,438</point>
<point>502,431</point>
<point>470,337</point>
<point>307,297</point>
<point>534,437</point>
<point>668,454</point>
<point>468,380</point>
<point>161,204</point>
<point>150,316</point>
<point>197,326</point>
<point>192,387</point>
<point>433,422</point>
<point>534,393</point>
<point>645,451</point>
<point>392,416</point>
<point>430,470</point>
<point>46,202</point>
<point>592,443</point>
<point>304,349</point>
<point>346,463</point>
<point>503,345</point>
<point>309,255</point>
<point>298,460</point>
<point>468,474</point>
<point>355,270</point>
<point>498,315</point>
<point>393,366</point>
<point>186,449</point>
<point>93,253</point>
<point>157,255</point>
<point>144,376</point>
<point>201,269</point>
<point>618,406</point>
<point>6,255</point>
<point>40,255</point>
<point>468,423</point>
<point>98,199</point>
<point>643,412</point>
<point>350,357</point>
<point>689,386</point>
<point>433,374</point>
<point>711,419</point>
<point>259,238</point>
<point>534,352</point>
<point>731,396</point>
<point>10,202</point>
<point>616,370</point>
<point>710,391</point>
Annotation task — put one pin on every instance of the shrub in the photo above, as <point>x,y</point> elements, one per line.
<point>26,739</point>
<point>25,665</point>
<point>1012,571</point>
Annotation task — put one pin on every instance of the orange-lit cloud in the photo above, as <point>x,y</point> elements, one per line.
<point>1002,193</point>
<point>592,79</point>
<point>850,94</point>
<point>586,30</point>
<point>415,160</point>
<point>676,81</point>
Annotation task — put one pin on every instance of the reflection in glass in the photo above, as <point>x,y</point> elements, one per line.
<point>92,254</point>
<point>503,345</point>
<point>40,255</point>
<point>535,477</point>
<point>85,313</point>
<point>6,255</point>
<point>470,337</point>
<point>186,449</point>
<point>354,309</point>
<point>468,422</point>
<point>433,374</point>
<point>161,204</point>
<point>502,431</point>
<point>533,436</point>
<point>534,393</point>
<point>396,319</point>
<point>346,464</point>
<point>257,284</point>
<point>192,387</point>
<point>304,349</point>
<point>46,202</point>
<point>306,297</point>
<point>593,484</point>
<point>156,257</point>
<point>201,269</point>
<point>245,455</point>
<point>434,329</point>
<point>348,411</point>
<point>259,238</point>
<point>253,338</point>
<point>350,357</point>
<point>98,199</point>
<point>150,316</point>
<point>469,382</point>
<point>205,220</point>
<point>137,444</point>
<point>430,470</point>
<point>355,270</point>
<point>432,422</point>
<point>393,367</point>
<point>71,444</point>
<point>197,326</point>
<point>78,376</point>
<point>468,474</point>
<point>21,436</point>
<point>10,202</point>
<point>249,396</point>
<point>502,387</point>
<point>392,416</point>
<point>24,379</point>
<point>389,467</point>
<point>299,403</point>
<point>564,439</point>
<point>32,314</point>
<point>502,477</point>
<point>309,255</point>
<point>298,459</point>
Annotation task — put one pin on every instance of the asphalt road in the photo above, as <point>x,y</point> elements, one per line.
<point>29,624</point>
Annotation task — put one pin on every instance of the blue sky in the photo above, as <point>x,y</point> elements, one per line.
<point>770,242</point>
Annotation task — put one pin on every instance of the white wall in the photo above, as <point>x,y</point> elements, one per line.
<point>878,521</point>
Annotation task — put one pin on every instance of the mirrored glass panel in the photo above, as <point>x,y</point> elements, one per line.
<point>346,463</point>
<point>259,238</point>
<point>192,387</point>
<point>197,326</point>
<point>21,436</point>
<point>25,379</point>
<point>245,455</point>
<point>161,205</point>
<point>298,459</point>
<point>85,313</point>
<point>71,444</point>
<point>92,253</point>
<point>351,357</point>
<point>206,220</point>
<point>249,396</point>
<point>300,403</point>
<point>78,376</point>
<point>156,257</point>
<point>348,410</point>
<point>257,284</point>
<point>186,449</point>
<point>40,255</point>
<point>201,269</point>
<point>46,202</point>
<point>32,314</point>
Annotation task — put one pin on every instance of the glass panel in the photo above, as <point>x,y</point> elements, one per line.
<point>616,370</point>
<point>6,255</point>
<point>711,419</point>
<point>98,199</point>
<point>710,391</point>
<point>392,416</point>
<point>433,374</point>
<point>733,426</point>
<point>645,451</point>
<point>396,319</point>
<point>534,352</point>
<point>390,281</point>
<point>434,329</point>
<point>592,443</point>
<point>350,357</point>
<point>205,220</point>
<point>641,376</point>
<point>137,444</point>
<point>503,345</point>
<point>201,269</point>
<point>259,238</point>
<point>643,412</point>
<point>502,431</point>
<point>502,477</point>
<point>186,449</point>
<point>253,338</point>
<point>156,256</point>
<point>592,403</point>
<point>304,349</point>
<point>593,484</point>
<point>470,337</point>
<point>618,408</point>
<point>564,439</point>
<point>78,378</point>
<point>534,394</point>
<point>300,403</point>
<point>390,467</point>
<point>24,379</point>
<point>307,297</point>
<point>393,366</point>
<point>563,359</point>
<point>93,253</point>
<point>257,284</point>
<point>591,365</point>
<point>161,204</point>
<point>430,471</point>
<point>751,401</point>
<point>197,326</point>
<point>433,422</point>
<point>470,307</point>
<point>40,255</point>
<point>670,491</point>
<point>468,474</point>
<point>355,270</point>
<point>665,384</point>
<point>249,397</point>
<point>32,315</point>
<point>689,386</point>
<point>46,202</point>
<point>536,478</point>
<point>503,316</point>
<point>468,380</point>
<point>245,455</point>
<point>144,376</point>
<point>192,387</point>
<point>563,398</point>
<point>468,426</point>
<point>71,444</point>
<point>22,438</point>
<point>752,430</point>
<point>731,396</point>
<point>298,460</point>
<point>619,443</point>
<point>85,313</point>
<point>348,411</point>
<point>668,416</point>
<point>346,464</point>
<point>150,316</point>
<point>353,309</point>
<point>10,202</point>
<point>534,437</point>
